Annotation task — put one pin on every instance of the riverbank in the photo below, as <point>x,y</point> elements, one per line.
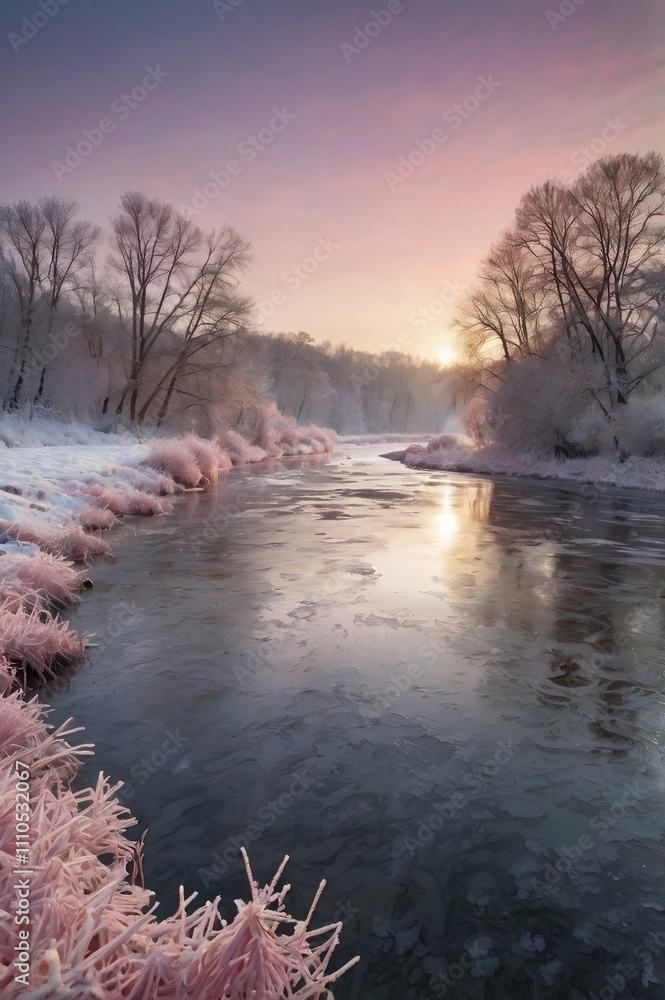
<point>77,921</point>
<point>454,453</point>
<point>385,634</point>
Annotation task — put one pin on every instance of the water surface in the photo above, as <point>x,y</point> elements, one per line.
<point>442,693</point>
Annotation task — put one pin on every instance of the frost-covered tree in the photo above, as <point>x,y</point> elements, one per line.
<point>598,248</point>
<point>574,292</point>
<point>180,285</point>
<point>504,311</point>
<point>44,250</point>
<point>354,391</point>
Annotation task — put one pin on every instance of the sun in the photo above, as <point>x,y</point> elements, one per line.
<point>445,356</point>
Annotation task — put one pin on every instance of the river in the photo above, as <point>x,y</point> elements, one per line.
<point>440,692</point>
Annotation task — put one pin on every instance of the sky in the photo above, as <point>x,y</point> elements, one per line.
<point>371,152</point>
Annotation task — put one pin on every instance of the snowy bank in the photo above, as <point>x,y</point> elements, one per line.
<point>346,439</point>
<point>455,453</point>
<point>57,479</point>
<point>75,923</point>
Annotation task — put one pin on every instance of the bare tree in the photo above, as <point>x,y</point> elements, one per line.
<point>598,248</point>
<point>212,312</point>
<point>69,245</point>
<point>506,305</point>
<point>153,249</point>
<point>298,378</point>
<point>43,249</point>
<point>502,318</point>
<point>182,287</point>
<point>22,252</point>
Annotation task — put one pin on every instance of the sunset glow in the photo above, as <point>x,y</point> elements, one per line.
<point>293,124</point>
<point>446,356</point>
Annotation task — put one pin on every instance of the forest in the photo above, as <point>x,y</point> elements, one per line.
<point>561,334</point>
<point>563,329</point>
<point>147,324</point>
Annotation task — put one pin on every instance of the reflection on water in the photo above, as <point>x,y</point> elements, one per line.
<point>440,692</point>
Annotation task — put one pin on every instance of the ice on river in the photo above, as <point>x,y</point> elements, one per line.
<point>448,702</point>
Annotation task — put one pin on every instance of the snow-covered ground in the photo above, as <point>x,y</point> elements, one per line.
<point>60,485</point>
<point>455,453</point>
<point>381,438</point>
<point>54,473</point>
<point>46,476</point>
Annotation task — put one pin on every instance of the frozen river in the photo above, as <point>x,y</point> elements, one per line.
<point>443,693</point>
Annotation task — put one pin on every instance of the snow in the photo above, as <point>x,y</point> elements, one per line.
<point>461,456</point>
<point>52,472</point>
<point>38,428</point>
<point>47,478</point>
<point>47,488</point>
<point>350,439</point>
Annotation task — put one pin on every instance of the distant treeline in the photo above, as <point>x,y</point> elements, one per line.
<point>147,325</point>
<point>565,326</point>
<point>354,391</point>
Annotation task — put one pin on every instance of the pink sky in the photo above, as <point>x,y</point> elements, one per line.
<point>321,181</point>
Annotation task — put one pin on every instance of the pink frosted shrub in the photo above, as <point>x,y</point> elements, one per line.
<point>75,544</point>
<point>121,499</point>
<point>321,439</point>
<point>150,480</point>
<point>106,497</point>
<point>51,577</point>
<point>36,642</point>
<point>287,437</point>
<point>444,441</point>
<point>210,459</point>
<point>97,517</point>
<point>253,959</point>
<point>13,600</point>
<point>72,543</point>
<point>191,461</point>
<point>25,736</point>
<point>6,684</point>
<point>240,450</point>
<point>268,429</point>
<point>173,457</point>
<point>139,502</point>
<point>278,434</point>
<point>92,931</point>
